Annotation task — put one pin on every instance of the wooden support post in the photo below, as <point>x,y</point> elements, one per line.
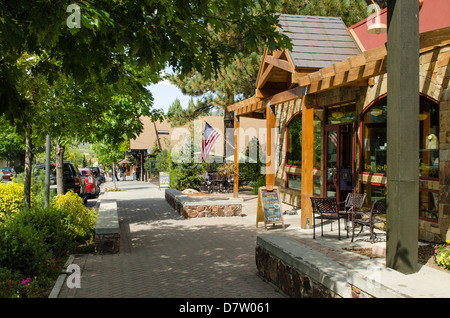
<point>270,152</point>
<point>307,163</point>
<point>236,157</point>
<point>403,136</point>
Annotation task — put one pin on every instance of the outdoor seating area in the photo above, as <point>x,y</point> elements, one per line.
<point>370,218</point>
<point>352,213</point>
<point>216,183</point>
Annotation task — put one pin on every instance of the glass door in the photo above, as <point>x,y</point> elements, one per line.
<point>339,168</point>
<point>332,142</point>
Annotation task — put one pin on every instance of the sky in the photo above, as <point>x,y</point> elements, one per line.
<point>164,94</point>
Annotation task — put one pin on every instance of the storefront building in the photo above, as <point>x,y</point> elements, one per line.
<point>328,98</point>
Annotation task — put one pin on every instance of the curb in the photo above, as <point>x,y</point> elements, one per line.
<point>61,278</point>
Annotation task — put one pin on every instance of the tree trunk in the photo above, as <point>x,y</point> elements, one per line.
<point>59,154</point>
<point>28,168</point>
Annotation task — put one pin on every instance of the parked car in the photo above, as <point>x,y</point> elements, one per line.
<point>7,173</point>
<point>92,184</point>
<point>72,178</point>
<point>98,174</point>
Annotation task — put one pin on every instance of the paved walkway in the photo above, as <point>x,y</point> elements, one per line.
<point>163,255</point>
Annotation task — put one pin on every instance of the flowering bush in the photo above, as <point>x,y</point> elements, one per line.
<point>77,218</point>
<point>11,199</point>
<point>15,286</point>
<point>442,254</point>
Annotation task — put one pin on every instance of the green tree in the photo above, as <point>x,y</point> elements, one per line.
<point>12,147</point>
<point>95,55</point>
<point>175,110</point>
<point>163,161</point>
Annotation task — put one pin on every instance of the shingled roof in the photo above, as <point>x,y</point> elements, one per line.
<point>317,41</point>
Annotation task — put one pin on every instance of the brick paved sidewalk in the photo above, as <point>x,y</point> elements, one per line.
<point>163,255</point>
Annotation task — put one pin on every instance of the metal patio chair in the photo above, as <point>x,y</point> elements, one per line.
<point>370,218</point>
<point>353,203</point>
<point>326,209</point>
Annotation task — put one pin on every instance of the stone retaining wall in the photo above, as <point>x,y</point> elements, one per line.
<point>304,269</point>
<point>192,207</point>
<point>292,282</point>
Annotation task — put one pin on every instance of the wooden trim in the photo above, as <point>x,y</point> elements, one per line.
<point>356,39</point>
<point>281,64</point>
<point>255,107</point>
<point>243,103</point>
<point>264,72</point>
<point>288,95</point>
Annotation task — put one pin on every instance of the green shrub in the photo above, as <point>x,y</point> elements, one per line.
<point>162,161</point>
<point>261,182</point>
<point>187,175</point>
<point>49,222</point>
<point>23,247</point>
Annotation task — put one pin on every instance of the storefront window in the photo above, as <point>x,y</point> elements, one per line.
<point>429,144</point>
<point>294,151</point>
<point>373,193</point>
<point>317,143</point>
<point>341,114</point>
<point>374,142</point>
<point>294,181</point>
<point>428,205</point>
<point>316,185</point>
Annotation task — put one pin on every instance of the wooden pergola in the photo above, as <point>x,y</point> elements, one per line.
<point>358,70</point>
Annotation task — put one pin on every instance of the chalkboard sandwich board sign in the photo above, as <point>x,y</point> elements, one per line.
<point>269,207</point>
<point>164,180</point>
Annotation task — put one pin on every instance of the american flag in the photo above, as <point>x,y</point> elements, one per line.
<point>209,137</point>
<point>332,136</point>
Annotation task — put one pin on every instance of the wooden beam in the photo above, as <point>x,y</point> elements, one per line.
<point>255,115</point>
<point>236,157</point>
<point>361,67</point>
<point>258,106</point>
<point>243,103</point>
<point>288,95</point>
<point>307,164</point>
<point>262,78</point>
<point>281,64</point>
<point>434,37</point>
<point>350,76</point>
<point>270,148</point>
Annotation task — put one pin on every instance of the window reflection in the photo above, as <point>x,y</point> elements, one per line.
<point>294,181</point>
<point>294,151</point>
<point>373,193</point>
<point>374,142</point>
<point>428,205</point>
<point>429,144</point>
